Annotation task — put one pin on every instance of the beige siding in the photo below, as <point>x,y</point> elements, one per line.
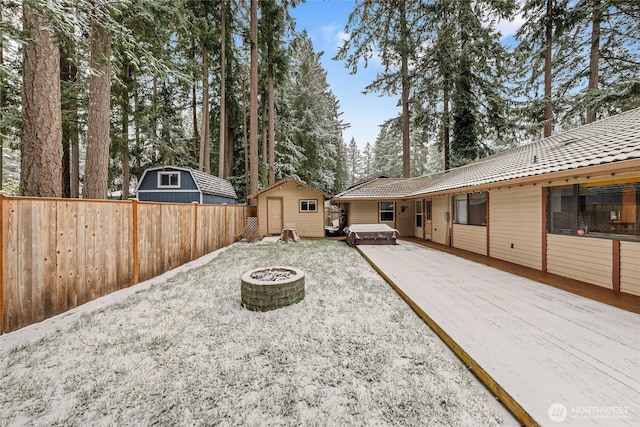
<point>630,267</point>
<point>363,213</point>
<point>405,221</point>
<point>439,225</point>
<point>515,225</point>
<point>581,258</point>
<point>307,224</point>
<point>471,238</point>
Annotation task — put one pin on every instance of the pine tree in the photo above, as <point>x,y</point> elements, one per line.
<point>41,153</point>
<point>355,161</point>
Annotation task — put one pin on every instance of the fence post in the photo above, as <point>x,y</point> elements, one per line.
<point>226,225</point>
<point>194,252</point>
<point>1,263</point>
<point>136,256</point>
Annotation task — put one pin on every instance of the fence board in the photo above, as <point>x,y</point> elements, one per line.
<point>58,254</point>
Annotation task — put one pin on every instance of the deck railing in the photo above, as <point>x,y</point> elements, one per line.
<point>57,254</point>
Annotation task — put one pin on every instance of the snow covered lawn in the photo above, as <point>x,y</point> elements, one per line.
<point>185,352</point>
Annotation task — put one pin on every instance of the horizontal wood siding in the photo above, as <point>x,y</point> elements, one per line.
<point>306,224</point>
<point>515,223</point>
<point>58,254</point>
<point>364,213</point>
<point>581,258</point>
<point>438,223</point>
<point>472,238</point>
<point>405,221</point>
<point>630,267</point>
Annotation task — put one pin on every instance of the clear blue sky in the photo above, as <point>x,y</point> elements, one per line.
<point>324,21</point>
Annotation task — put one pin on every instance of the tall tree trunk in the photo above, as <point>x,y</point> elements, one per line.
<point>136,125</point>
<point>272,118</point>
<point>253,101</point>
<point>74,133</point>
<point>126,80</point>
<point>228,162</point>
<point>244,135</point>
<point>2,106</point>
<point>205,153</point>
<point>404,36</point>
<point>41,153</point>
<point>97,162</point>
<point>446,122</point>
<point>194,117</point>
<point>66,81</point>
<point>264,122</point>
<point>548,113</point>
<point>594,57</point>
<point>223,95</point>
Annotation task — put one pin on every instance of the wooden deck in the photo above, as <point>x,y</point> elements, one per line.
<point>548,354</point>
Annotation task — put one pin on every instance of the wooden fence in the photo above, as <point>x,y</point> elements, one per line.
<point>60,253</point>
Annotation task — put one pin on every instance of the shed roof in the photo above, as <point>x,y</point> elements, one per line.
<point>282,181</point>
<point>206,183</point>
<point>608,141</point>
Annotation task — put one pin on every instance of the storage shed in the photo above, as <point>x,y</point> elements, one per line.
<point>290,203</point>
<point>174,184</point>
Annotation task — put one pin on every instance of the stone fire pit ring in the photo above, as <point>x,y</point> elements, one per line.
<point>270,288</point>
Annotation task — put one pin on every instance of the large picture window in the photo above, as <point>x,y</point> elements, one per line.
<point>387,211</point>
<point>168,179</point>
<point>596,210</point>
<point>470,209</point>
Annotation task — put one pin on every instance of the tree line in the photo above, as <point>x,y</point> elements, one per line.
<point>465,93</point>
<point>94,91</point>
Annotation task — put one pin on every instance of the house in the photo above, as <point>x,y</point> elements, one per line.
<point>290,203</point>
<point>567,204</point>
<point>183,185</point>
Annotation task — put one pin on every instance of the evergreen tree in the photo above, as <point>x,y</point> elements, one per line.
<point>355,161</point>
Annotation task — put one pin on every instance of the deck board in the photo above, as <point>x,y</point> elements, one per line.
<point>540,344</point>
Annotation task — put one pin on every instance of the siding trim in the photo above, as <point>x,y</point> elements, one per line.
<point>544,230</point>
<point>615,274</point>
<point>488,222</point>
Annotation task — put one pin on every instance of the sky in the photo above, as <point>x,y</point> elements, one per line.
<point>325,22</point>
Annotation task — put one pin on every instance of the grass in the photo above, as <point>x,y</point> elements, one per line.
<point>185,352</point>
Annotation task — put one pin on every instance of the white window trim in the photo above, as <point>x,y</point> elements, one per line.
<point>162,173</point>
<point>308,210</point>
<point>392,210</point>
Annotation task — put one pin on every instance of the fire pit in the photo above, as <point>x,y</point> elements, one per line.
<point>265,289</point>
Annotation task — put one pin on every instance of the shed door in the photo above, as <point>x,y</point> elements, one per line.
<point>274,215</point>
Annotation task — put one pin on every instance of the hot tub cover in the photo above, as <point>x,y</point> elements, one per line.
<point>371,234</point>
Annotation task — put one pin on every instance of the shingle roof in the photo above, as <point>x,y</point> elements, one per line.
<point>383,188</point>
<point>607,141</point>
<point>212,185</point>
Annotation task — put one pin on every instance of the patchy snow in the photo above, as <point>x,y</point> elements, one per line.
<point>181,350</point>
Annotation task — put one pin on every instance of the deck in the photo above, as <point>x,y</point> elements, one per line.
<point>551,356</point>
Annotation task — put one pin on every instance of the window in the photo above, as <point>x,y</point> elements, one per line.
<point>418,213</point>
<point>597,210</point>
<point>308,206</point>
<point>429,209</point>
<point>168,179</point>
<point>470,209</point>
<point>387,211</point>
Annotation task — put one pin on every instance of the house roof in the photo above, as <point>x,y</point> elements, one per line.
<point>206,183</point>
<point>383,188</point>
<point>284,180</point>
<point>609,141</point>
